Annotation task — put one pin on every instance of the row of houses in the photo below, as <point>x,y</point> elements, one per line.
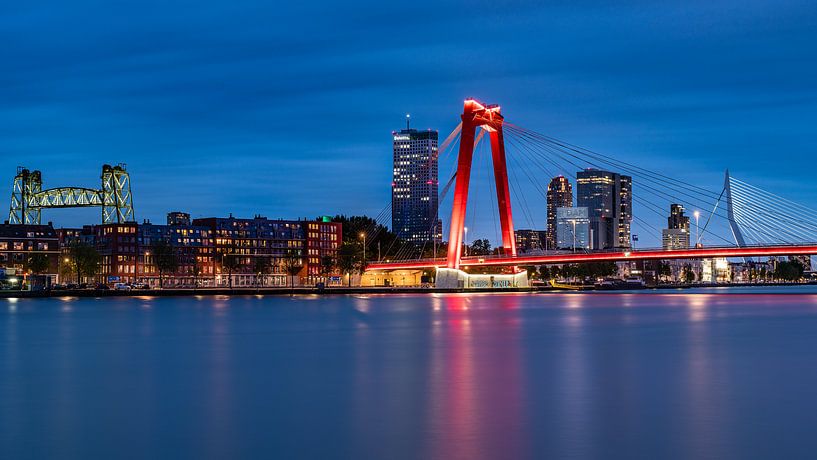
<point>199,246</point>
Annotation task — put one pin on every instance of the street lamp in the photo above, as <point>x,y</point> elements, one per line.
<point>697,215</point>
<point>466,240</point>
<point>363,237</point>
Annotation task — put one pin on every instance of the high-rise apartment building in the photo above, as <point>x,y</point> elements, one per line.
<point>415,186</point>
<point>676,235</point>
<point>559,195</point>
<point>608,197</point>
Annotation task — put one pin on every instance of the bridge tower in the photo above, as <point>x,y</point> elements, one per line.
<point>488,117</point>
<point>26,184</point>
<point>117,203</point>
<point>730,213</point>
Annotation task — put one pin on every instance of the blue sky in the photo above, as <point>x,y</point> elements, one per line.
<point>286,109</point>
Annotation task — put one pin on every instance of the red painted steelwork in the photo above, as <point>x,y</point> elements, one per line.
<point>476,115</point>
<point>657,254</point>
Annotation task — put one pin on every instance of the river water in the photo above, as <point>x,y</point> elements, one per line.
<point>692,375</point>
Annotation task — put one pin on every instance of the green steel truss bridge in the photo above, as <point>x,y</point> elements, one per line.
<point>28,198</point>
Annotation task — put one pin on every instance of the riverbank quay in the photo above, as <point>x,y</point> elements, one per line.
<point>244,292</point>
<point>374,290</point>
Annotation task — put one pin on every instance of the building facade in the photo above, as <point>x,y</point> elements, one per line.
<point>530,240</point>
<point>323,240</point>
<point>676,235</point>
<point>257,251</point>
<point>573,228</point>
<point>608,198</point>
<point>278,242</point>
<point>559,195</point>
<point>178,218</point>
<point>415,186</point>
<point>18,244</point>
<point>192,246</point>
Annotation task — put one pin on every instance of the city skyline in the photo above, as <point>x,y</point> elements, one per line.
<point>266,141</point>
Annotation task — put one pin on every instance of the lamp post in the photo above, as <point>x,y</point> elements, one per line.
<point>697,215</point>
<point>363,262</point>
<point>465,229</point>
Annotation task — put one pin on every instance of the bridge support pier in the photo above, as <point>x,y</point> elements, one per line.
<point>451,278</point>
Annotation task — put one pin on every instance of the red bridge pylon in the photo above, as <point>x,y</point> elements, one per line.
<point>489,118</point>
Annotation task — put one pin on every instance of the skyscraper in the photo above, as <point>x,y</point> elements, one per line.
<point>677,219</point>
<point>676,235</point>
<point>608,197</point>
<point>559,195</point>
<point>415,185</point>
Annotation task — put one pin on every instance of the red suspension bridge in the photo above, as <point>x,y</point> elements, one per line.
<point>745,221</point>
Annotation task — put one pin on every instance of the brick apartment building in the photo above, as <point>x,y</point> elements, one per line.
<point>200,246</point>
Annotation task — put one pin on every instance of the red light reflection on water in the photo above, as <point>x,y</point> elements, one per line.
<point>476,382</point>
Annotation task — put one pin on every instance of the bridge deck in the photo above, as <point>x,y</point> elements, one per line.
<point>606,256</point>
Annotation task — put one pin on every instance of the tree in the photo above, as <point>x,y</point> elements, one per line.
<point>347,259</point>
<point>544,272</point>
<point>195,271</point>
<point>531,270</point>
<point>327,266</point>
<point>789,270</point>
<point>261,266</point>
<point>599,269</point>
<point>480,247</point>
<point>85,259</point>
<point>689,275</point>
<point>664,269</point>
<point>292,264</point>
<point>38,263</point>
<point>66,269</point>
<point>165,259</point>
<point>230,262</point>
<point>377,235</point>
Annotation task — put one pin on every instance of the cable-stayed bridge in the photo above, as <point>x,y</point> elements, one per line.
<point>738,220</point>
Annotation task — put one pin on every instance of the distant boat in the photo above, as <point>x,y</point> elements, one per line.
<point>568,287</point>
<point>634,282</point>
<point>611,284</point>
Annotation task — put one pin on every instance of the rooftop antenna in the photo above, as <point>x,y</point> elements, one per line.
<point>408,120</point>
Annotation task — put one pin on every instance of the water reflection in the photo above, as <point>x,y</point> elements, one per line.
<point>476,382</point>
<point>412,376</point>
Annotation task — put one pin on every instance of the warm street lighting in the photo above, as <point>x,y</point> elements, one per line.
<point>697,215</point>
<point>363,237</point>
